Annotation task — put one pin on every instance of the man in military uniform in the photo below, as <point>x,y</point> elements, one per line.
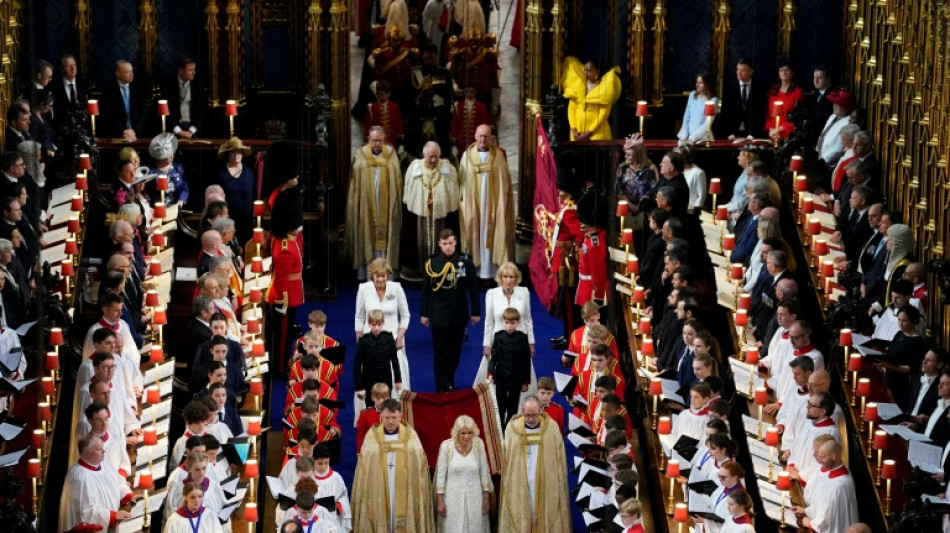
<point>285,294</point>
<point>592,260</point>
<point>393,62</point>
<point>467,114</point>
<point>449,278</point>
<point>385,114</point>
<point>568,240</point>
<point>433,103</point>
<point>475,62</point>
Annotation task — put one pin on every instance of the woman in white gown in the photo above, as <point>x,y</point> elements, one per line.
<point>192,517</point>
<point>507,294</point>
<point>388,297</point>
<point>462,483</point>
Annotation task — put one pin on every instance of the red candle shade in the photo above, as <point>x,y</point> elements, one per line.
<point>158,238</point>
<point>258,208</point>
<point>56,337</point>
<point>844,337</point>
<point>745,301</point>
<point>257,348</point>
<point>638,295</point>
<point>880,440</point>
<point>33,468</point>
<point>656,386</point>
<point>664,425</point>
<point>821,247</point>
<point>814,226</point>
<point>715,186</point>
<point>92,107</point>
<point>72,225</point>
<point>795,164</point>
<point>66,267</point>
<point>870,412</point>
<point>254,326</point>
<point>159,317</point>
<point>254,427</point>
<point>151,298</point>
<point>680,513</point>
<point>777,108</point>
<point>742,318</point>
<point>145,481</point>
<point>729,242</point>
<point>48,386</point>
<point>257,265</point>
<point>864,387</point>
<point>801,184</point>
<point>808,206</point>
<point>855,362</point>
<point>642,108</point>
<point>827,269</point>
<point>161,183</point>
<point>39,438</point>
<point>52,361</point>
<point>622,208</point>
<point>156,354</point>
<point>646,325</point>
<point>256,387</point>
<point>150,436</point>
<point>889,469</point>
<point>155,267</point>
<point>627,238</point>
<point>43,412</point>
<point>153,394</point>
<point>85,162</point>
<point>673,468</point>
<point>75,203</point>
<point>250,512</point>
<point>784,481</point>
<point>251,468</point>
<point>737,271</point>
<point>647,347</point>
<point>722,213</point>
<point>761,396</point>
<point>163,108</point>
<point>633,265</point>
<point>752,355</point>
<point>256,295</point>
<point>82,182</point>
<point>160,210</point>
<point>771,437</point>
<point>71,247</point>
<point>258,236</point>
<point>230,108</point>
<point>709,109</point>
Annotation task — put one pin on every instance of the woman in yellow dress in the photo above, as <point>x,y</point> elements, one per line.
<point>590,98</point>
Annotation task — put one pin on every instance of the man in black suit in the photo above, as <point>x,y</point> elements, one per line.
<point>854,230</point>
<point>864,152</point>
<point>13,286</point>
<point>921,394</point>
<point>185,100</point>
<point>869,246</point>
<point>18,127</point>
<point>69,92</point>
<point>935,425</point>
<point>199,327</point>
<point>122,112</point>
<point>777,264</point>
<point>821,107</point>
<point>742,113</point>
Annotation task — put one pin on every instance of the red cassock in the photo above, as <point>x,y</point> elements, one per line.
<point>296,391</point>
<point>326,420</point>
<point>369,417</point>
<point>597,424</point>
<point>585,385</point>
<point>286,261</point>
<point>592,268</point>
<point>576,345</point>
<point>464,122</point>
<point>478,69</point>
<point>556,412</point>
<point>388,116</point>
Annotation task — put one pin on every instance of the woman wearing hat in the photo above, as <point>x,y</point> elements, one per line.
<point>830,147</point>
<point>238,182</point>
<point>162,149</point>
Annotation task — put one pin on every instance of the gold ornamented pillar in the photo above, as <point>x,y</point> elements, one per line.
<point>785,28</point>
<point>235,45</point>
<point>635,50</point>
<point>211,29</point>
<point>557,35</point>
<point>721,29</point>
<point>659,33</point>
<point>314,30</point>
<point>149,35</point>
<point>83,37</point>
<point>339,90</point>
<point>531,95</point>
<point>257,45</point>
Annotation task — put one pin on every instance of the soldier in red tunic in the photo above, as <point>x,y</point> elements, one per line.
<point>475,62</point>
<point>284,295</point>
<point>467,114</point>
<point>393,62</point>
<point>385,113</point>
<point>592,262</point>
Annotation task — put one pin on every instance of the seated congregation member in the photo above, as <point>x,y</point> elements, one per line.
<point>582,338</point>
<point>764,299</point>
<point>684,353</point>
<point>196,415</point>
<point>935,425</point>
<point>14,287</point>
<point>220,325</point>
<point>369,417</point>
<point>885,321</point>
<point>97,416</point>
<point>215,286</point>
<point>671,175</point>
<point>546,389</point>
<point>799,454</point>
<point>830,499</point>
<point>199,326</point>
<point>192,516</point>
<point>755,274</point>
<point>214,209</point>
<point>920,398</point>
<point>218,350</point>
<point>905,352</point>
<point>197,469</point>
<point>93,492</point>
<point>747,239</point>
<point>509,367</point>
<point>651,258</point>
<point>730,477</point>
<point>211,243</point>
<point>463,485</point>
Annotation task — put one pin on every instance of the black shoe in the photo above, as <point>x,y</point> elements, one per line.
<point>558,340</point>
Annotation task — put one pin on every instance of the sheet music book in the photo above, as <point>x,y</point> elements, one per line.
<point>583,492</point>
<point>704,506</point>
<point>577,440</point>
<point>10,361</point>
<point>581,400</point>
<point>11,386</point>
<point>11,427</point>
<point>597,500</point>
<point>925,456</point>
<point>132,525</point>
<point>155,502</point>
<point>159,451</point>
<point>888,411</point>
<point>670,391</point>
<point>565,383</point>
<point>904,433</point>
<point>160,410</point>
<point>573,422</point>
<point>859,341</point>
<point>224,515</point>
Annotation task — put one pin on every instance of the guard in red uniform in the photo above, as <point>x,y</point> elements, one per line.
<point>592,260</point>
<point>385,114</point>
<point>568,240</point>
<point>467,115</point>
<point>284,296</point>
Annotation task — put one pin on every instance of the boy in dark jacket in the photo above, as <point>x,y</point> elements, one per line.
<point>376,358</point>
<point>510,365</point>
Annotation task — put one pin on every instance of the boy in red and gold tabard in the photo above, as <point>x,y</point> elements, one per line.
<point>314,342</point>
<point>546,395</point>
<point>589,384</point>
<point>327,427</point>
<point>591,333</point>
<point>310,372</point>
<point>369,417</point>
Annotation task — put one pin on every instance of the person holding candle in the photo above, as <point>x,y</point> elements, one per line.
<point>238,182</point>
<point>162,149</point>
<point>739,513</point>
<point>93,491</point>
<point>695,124</point>
<point>784,96</point>
<point>214,498</point>
<point>192,517</point>
<point>830,499</point>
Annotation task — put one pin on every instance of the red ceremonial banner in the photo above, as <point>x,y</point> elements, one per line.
<point>547,205</point>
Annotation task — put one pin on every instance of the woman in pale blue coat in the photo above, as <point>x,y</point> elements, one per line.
<point>694,120</point>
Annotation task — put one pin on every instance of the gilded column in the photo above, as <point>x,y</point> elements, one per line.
<point>721,28</point>
<point>211,29</point>
<point>83,37</point>
<point>785,28</point>
<point>257,45</point>
<point>235,42</point>
<point>557,35</point>
<point>314,29</point>
<point>531,96</point>
<point>659,32</point>
<point>638,27</point>
<point>149,35</point>
<point>339,87</point>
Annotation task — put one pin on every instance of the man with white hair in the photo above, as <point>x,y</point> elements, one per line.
<point>210,247</point>
<point>94,491</point>
<point>831,503</point>
<point>16,289</point>
<point>431,194</point>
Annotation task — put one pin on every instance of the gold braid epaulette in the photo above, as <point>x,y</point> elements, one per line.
<point>448,272</point>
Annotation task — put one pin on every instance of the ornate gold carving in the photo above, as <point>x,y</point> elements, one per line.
<point>659,33</point>
<point>721,29</point>
<point>211,30</point>
<point>149,36</point>
<point>314,31</point>
<point>83,36</point>
<point>786,27</point>
<point>235,45</point>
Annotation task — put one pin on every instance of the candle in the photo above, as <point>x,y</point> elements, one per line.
<point>82,182</point>
<point>254,326</point>
<point>745,301</point>
<point>43,412</point>
<point>163,108</point>
<point>722,213</point>
<point>153,394</point>
<point>814,226</point>
<point>85,162</point>
<point>795,164</point>
<point>254,427</point>
<point>827,269</point>
<point>622,208</point>
<point>801,184</point>
<point>673,468</point>
<point>230,108</point>
<point>680,513</point>
<point>39,438</point>
<point>155,267</point>
<point>256,387</point>
<point>256,295</point>
<point>258,235</point>
<point>761,396</point>
<point>870,412</point>
<point>72,225</point>
<point>808,206</point>
<point>880,440</point>
<point>777,108</point>
<point>66,268</point>
<point>159,317</point>
<point>656,386</point>
<point>638,295</point>
<point>627,239</point>
<point>715,186</point>
<point>92,107</point>
<point>257,265</point>
<point>160,210</point>
<point>161,183</point>
<point>150,436</point>
<point>56,337</point>
<point>855,362</point>
<point>52,361</point>
<point>257,348</point>
<point>633,265</point>
<point>145,480</point>
<point>151,298</point>
<point>250,512</point>
<point>71,247</point>
<point>844,337</point>
<point>736,271</point>
<point>156,355</point>
<point>664,426</point>
<point>729,242</point>
<point>821,247</point>
<point>647,347</point>
<point>251,468</point>
<point>864,387</point>
<point>258,208</point>
<point>742,318</point>
<point>889,470</point>
<point>771,437</point>
<point>33,468</point>
<point>158,238</point>
<point>646,325</point>
<point>75,203</point>
<point>784,481</point>
<point>752,355</point>
<point>642,108</point>
<point>709,109</point>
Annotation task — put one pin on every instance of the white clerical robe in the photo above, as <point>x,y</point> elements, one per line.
<point>830,499</point>
<point>91,494</point>
<point>120,410</point>
<point>391,465</point>
<point>116,453</point>
<point>780,350</point>
<point>121,330</point>
<point>214,497</point>
<point>531,466</point>
<point>332,484</point>
<point>692,423</point>
<point>125,371</point>
<point>802,452</point>
<point>794,404</point>
<point>319,523</point>
<point>207,523</point>
<point>786,381</point>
